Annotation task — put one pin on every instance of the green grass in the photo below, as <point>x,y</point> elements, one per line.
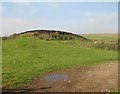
<point>103,37</point>
<point>26,58</point>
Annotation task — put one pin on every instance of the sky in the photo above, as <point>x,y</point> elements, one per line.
<point>75,17</point>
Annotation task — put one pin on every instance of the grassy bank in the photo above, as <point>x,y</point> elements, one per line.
<point>26,57</point>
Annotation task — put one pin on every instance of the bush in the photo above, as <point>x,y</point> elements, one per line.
<point>61,37</point>
<point>47,39</point>
<point>4,38</point>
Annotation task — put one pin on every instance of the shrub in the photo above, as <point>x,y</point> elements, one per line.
<point>4,38</point>
<point>61,37</point>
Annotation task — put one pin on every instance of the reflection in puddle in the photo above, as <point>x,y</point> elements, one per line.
<point>56,77</point>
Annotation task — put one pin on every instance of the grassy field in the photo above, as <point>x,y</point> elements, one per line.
<point>103,37</point>
<point>26,57</point>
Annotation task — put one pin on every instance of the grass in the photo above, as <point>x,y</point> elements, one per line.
<point>102,41</point>
<point>103,37</point>
<point>26,57</point>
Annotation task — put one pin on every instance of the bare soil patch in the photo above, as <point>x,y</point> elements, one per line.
<point>98,78</point>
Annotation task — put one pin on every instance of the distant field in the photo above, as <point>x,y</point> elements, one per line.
<point>24,58</point>
<point>104,37</point>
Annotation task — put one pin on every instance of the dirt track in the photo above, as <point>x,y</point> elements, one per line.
<point>99,78</point>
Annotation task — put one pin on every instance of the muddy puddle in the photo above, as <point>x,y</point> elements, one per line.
<point>56,77</point>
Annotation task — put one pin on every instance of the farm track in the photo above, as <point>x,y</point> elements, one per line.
<point>99,78</point>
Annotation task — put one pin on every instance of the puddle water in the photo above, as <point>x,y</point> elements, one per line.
<point>56,77</point>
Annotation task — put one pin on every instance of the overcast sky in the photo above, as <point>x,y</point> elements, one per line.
<point>76,17</point>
